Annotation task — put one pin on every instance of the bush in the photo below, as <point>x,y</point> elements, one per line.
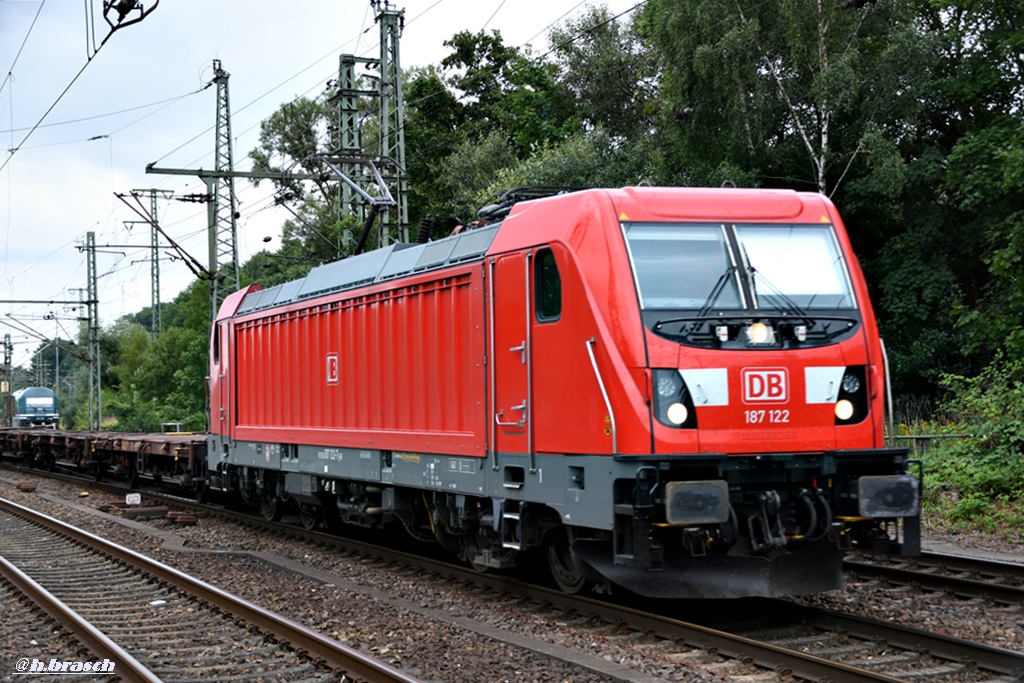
<point>978,481</point>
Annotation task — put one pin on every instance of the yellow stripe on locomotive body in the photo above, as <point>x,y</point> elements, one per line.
<point>664,387</point>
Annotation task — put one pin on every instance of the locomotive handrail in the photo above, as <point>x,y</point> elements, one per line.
<point>527,351</point>
<point>888,392</point>
<point>490,361</point>
<point>604,393</point>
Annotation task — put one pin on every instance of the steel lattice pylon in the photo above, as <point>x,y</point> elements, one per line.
<point>8,366</point>
<point>154,268</point>
<point>93,333</point>
<point>394,221</point>
<point>222,208</point>
<point>347,140</point>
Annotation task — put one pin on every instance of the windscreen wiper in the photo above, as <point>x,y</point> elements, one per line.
<point>702,315</point>
<point>716,291</point>
<point>791,307</point>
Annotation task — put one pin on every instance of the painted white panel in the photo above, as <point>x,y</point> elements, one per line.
<point>708,386</point>
<point>823,383</point>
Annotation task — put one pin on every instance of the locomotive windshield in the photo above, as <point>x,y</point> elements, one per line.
<point>731,267</point>
<point>801,263</point>
<point>703,284</point>
<point>679,266</point>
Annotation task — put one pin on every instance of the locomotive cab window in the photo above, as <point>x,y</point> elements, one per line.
<point>742,285</point>
<point>547,287</point>
<point>724,267</point>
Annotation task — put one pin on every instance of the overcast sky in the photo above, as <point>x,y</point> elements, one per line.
<point>140,99</point>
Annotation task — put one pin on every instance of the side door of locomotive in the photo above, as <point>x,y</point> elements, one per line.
<point>221,414</point>
<point>509,318</point>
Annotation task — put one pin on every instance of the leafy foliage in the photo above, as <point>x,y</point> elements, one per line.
<point>908,113</point>
<point>978,479</point>
<point>288,138</point>
<point>794,93</point>
<point>152,375</point>
<point>611,74</point>
<point>503,89</point>
<point>584,160</point>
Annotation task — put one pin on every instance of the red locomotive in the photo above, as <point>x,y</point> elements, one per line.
<point>678,391</point>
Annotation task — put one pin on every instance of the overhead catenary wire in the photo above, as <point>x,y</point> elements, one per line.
<point>417,100</point>
<point>593,28</point>
<point>260,204</point>
<point>92,55</point>
<point>21,48</point>
<point>491,18</point>
<point>279,85</point>
<point>127,110</point>
<point>319,85</point>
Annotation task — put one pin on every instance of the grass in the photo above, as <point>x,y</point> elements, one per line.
<point>968,486</point>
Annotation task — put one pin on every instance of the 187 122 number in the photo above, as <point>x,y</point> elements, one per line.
<point>756,417</point>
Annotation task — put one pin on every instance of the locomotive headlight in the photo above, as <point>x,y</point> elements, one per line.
<point>672,405</point>
<point>852,401</point>
<point>760,334</point>
<point>850,384</point>
<point>669,384</point>
<point>844,409</point>
<point>677,413</point>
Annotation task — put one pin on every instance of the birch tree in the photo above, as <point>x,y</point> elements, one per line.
<point>791,93</point>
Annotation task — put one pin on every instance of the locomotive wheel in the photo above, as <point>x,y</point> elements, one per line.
<point>270,508</point>
<point>309,515</point>
<point>503,556</point>
<point>563,567</point>
<point>469,552</point>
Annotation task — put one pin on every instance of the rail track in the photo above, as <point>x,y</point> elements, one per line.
<point>24,621</point>
<point>156,623</point>
<point>744,637</point>
<point>961,576</point>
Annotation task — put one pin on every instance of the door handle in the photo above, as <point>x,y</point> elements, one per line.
<point>520,423</point>
<point>522,349</point>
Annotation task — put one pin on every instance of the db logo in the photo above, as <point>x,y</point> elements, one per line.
<point>332,368</point>
<point>765,385</point>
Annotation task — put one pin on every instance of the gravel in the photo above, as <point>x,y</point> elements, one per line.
<point>976,620</point>
<point>441,632</point>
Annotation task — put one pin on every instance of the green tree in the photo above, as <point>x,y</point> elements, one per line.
<point>610,71</point>
<point>948,271</point>
<point>590,159</point>
<point>485,108</point>
<point>906,112</point>
<point>184,399</point>
<point>503,88</point>
<point>130,400</point>
<point>190,308</point>
<point>778,93</point>
<point>288,140</point>
<point>433,131</point>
